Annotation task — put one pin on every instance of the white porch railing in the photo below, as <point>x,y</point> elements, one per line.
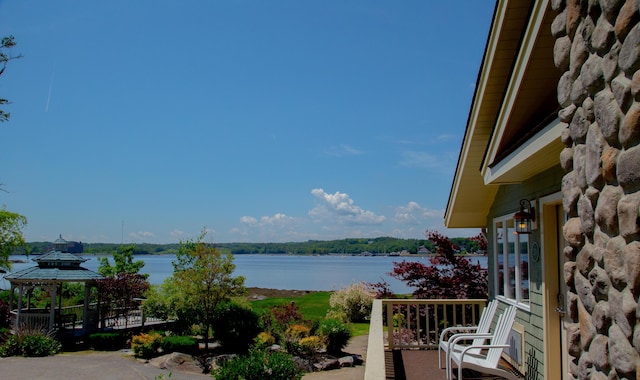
<point>413,324</point>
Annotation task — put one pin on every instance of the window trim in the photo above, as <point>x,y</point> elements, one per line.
<point>516,300</point>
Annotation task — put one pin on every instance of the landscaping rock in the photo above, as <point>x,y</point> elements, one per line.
<point>177,361</point>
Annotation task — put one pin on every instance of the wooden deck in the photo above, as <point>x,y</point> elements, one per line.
<point>421,365</point>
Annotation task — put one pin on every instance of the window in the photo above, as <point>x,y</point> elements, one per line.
<point>511,254</point>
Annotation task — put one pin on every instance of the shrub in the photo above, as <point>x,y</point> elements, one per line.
<point>106,341</point>
<point>311,344</point>
<point>259,365</point>
<point>354,301</point>
<point>235,326</point>
<point>146,345</point>
<point>296,332</point>
<point>336,334</point>
<point>264,339</point>
<point>179,343</point>
<point>30,343</point>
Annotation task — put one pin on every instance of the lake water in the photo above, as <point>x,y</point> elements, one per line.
<point>329,272</point>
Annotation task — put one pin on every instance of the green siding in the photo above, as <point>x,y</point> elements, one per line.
<point>507,201</point>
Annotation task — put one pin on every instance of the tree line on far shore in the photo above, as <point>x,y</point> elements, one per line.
<point>350,246</point>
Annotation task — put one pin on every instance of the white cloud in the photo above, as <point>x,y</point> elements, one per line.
<point>413,213</point>
<point>141,235</point>
<point>421,160</point>
<point>340,208</point>
<point>278,218</point>
<point>179,235</point>
<point>248,220</point>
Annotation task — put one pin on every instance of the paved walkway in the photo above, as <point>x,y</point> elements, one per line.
<point>99,365</point>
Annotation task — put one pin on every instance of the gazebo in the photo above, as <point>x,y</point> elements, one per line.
<point>54,268</point>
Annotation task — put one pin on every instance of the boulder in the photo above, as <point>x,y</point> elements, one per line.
<point>177,361</point>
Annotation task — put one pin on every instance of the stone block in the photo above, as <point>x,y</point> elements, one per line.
<point>627,17</point>
<point>579,165</point>
<point>602,317</point>
<point>622,356</point>
<point>584,290</point>
<point>603,36</point>
<point>632,265</point>
<point>621,88</point>
<point>595,145</point>
<point>608,116</point>
<point>629,216</point>
<point>630,128</point>
<point>610,62</point>
<point>570,193</point>
<point>592,75</point>
<point>572,231</point>
<point>564,89</point>
<point>629,59</point>
<point>562,53</point>
<point>600,283</point>
<point>609,165</point>
<point>629,170</point>
<point>614,262</point>
<point>559,25</point>
<point>566,159</point>
<point>607,209</point>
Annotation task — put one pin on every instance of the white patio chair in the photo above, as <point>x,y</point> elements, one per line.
<point>487,359</point>
<point>444,345</point>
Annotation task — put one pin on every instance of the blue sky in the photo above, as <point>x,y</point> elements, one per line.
<point>262,121</point>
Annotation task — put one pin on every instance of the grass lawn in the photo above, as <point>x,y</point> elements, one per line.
<point>312,306</point>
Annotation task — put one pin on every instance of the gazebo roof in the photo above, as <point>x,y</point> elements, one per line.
<point>37,274</point>
<point>59,257</point>
<point>55,266</point>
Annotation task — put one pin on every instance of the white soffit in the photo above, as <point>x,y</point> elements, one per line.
<point>536,155</point>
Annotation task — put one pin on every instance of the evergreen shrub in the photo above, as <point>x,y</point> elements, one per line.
<point>336,334</point>
<point>179,343</point>
<point>235,326</point>
<point>106,341</point>
<point>259,365</point>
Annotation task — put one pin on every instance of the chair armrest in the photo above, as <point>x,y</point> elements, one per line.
<point>456,328</point>
<point>458,337</point>
<point>482,346</point>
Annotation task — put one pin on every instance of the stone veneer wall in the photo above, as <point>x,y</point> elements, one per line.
<point>597,46</point>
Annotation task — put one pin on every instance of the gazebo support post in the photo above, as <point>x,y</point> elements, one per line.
<point>52,312</point>
<point>18,314</point>
<point>85,309</point>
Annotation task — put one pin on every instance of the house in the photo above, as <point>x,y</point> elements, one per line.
<point>553,132</point>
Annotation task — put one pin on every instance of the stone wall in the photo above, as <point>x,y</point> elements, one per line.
<point>597,47</point>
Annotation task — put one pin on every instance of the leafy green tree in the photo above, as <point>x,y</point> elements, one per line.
<point>123,263</point>
<point>11,225</point>
<point>5,44</point>
<point>205,278</point>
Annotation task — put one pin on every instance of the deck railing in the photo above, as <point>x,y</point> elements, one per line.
<point>71,317</point>
<point>414,324</point>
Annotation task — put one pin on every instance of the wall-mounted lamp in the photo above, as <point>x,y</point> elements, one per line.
<point>523,218</point>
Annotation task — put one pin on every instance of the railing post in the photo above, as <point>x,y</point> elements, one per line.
<point>375,365</point>
<point>390,324</point>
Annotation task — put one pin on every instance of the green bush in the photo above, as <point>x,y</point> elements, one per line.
<point>235,326</point>
<point>179,343</point>
<point>30,345</point>
<point>259,365</point>
<point>336,334</point>
<point>146,345</point>
<point>106,341</point>
<point>354,301</point>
